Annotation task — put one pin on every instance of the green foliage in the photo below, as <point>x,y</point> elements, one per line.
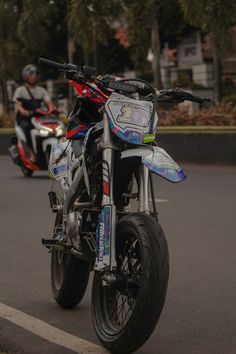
<point>89,20</point>
<point>172,24</point>
<point>139,17</point>
<point>230,98</point>
<point>9,44</point>
<point>35,25</point>
<point>212,16</point>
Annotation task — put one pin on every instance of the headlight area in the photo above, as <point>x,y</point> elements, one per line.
<point>44,132</point>
<point>60,131</point>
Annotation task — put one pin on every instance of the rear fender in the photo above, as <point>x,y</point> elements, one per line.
<point>158,161</point>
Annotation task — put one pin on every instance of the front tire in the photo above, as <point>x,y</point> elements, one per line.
<point>125,314</point>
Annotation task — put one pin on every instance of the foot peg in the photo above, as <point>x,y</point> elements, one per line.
<point>49,242</point>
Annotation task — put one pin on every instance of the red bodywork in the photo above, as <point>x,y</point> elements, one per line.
<point>53,125</point>
<point>94,94</point>
<point>25,160</point>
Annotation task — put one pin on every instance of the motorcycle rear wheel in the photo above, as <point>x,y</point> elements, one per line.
<point>69,276</point>
<point>125,314</point>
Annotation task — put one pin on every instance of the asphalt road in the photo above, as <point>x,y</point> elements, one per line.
<point>199,220</point>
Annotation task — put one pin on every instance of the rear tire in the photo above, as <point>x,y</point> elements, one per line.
<point>143,270</point>
<point>69,276</point>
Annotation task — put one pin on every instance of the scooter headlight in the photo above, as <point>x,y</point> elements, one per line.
<point>60,131</point>
<point>43,132</point>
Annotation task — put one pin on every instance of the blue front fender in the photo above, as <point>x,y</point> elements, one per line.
<point>158,161</point>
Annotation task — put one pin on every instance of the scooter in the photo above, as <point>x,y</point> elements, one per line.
<point>46,132</point>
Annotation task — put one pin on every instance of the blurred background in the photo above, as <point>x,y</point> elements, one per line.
<point>189,44</point>
<point>170,43</point>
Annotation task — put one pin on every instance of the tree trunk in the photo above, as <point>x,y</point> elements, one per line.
<point>70,54</point>
<point>217,79</point>
<point>4,96</point>
<point>86,56</point>
<point>95,48</point>
<point>156,50</point>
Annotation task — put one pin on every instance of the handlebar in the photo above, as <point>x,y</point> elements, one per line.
<point>180,95</point>
<point>73,71</point>
<point>87,71</point>
<point>57,66</point>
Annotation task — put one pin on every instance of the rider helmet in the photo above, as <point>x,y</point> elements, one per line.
<point>28,70</point>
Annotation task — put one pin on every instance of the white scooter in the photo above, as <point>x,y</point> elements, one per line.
<point>47,130</point>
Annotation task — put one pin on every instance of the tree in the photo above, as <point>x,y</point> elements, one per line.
<point>214,17</point>
<point>89,22</point>
<point>34,27</point>
<point>148,23</point>
<point>9,44</point>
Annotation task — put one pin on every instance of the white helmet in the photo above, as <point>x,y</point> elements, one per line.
<point>29,69</point>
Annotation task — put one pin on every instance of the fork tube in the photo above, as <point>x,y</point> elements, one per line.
<point>108,171</point>
<point>107,163</point>
<point>143,190</point>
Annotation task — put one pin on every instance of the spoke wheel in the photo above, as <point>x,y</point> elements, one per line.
<point>119,300</point>
<point>125,314</point>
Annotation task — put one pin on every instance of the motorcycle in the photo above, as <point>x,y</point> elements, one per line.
<point>47,129</point>
<point>102,166</point>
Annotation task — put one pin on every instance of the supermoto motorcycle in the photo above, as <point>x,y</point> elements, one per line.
<point>107,160</point>
<point>47,130</point>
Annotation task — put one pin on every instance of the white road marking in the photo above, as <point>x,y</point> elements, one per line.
<point>160,200</point>
<point>49,332</point>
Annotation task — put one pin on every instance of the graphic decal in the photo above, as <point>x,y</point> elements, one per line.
<point>103,233</point>
<point>130,119</point>
<point>162,164</point>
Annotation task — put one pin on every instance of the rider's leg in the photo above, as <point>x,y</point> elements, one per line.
<point>27,126</point>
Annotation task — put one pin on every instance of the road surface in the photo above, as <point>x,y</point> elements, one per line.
<point>199,219</point>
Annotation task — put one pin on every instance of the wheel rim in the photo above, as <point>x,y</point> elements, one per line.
<point>119,301</point>
<point>59,264</point>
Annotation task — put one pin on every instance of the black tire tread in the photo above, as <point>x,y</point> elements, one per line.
<point>76,275</point>
<point>152,298</point>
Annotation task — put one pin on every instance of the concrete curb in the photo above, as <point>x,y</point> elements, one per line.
<point>200,148</point>
<point>185,144</point>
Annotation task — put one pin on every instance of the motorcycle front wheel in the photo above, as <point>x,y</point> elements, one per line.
<point>125,314</point>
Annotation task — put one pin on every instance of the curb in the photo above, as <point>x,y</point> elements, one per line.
<point>215,145</point>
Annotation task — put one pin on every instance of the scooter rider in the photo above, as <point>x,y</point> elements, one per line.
<point>27,98</point>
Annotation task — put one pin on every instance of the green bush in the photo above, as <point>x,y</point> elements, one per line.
<point>231,98</point>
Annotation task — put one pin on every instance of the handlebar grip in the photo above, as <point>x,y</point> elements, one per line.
<point>57,66</point>
<point>199,99</point>
<point>89,70</point>
<point>51,64</point>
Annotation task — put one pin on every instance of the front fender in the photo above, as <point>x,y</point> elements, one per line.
<point>158,161</point>
<point>49,142</point>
